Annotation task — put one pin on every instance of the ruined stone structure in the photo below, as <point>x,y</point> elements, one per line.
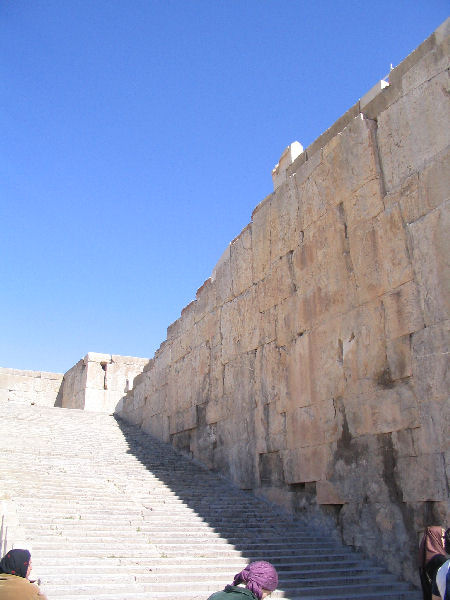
<point>98,383</point>
<point>312,367</point>
<point>39,387</point>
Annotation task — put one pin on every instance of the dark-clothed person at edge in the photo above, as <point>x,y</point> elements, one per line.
<point>432,554</point>
<point>260,579</point>
<point>15,568</point>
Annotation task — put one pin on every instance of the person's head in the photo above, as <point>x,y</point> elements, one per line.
<point>16,562</point>
<point>447,540</point>
<point>260,577</point>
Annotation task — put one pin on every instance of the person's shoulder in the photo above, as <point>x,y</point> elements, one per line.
<point>233,592</point>
<point>441,577</point>
<point>20,585</point>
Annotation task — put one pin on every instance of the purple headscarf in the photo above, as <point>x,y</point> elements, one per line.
<point>258,576</point>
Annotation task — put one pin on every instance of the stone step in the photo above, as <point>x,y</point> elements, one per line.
<point>140,521</point>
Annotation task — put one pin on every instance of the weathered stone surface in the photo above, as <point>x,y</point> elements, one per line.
<point>313,366</point>
<point>412,130</point>
<point>243,327</point>
<point>327,493</point>
<point>208,329</point>
<point>431,251</point>
<point>379,255</point>
<point>362,343</point>
<point>382,408</point>
<point>276,286</point>
<point>322,272</point>
<point>242,262</point>
<point>183,420</point>
<point>434,182</point>
<point>430,352</point>
<point>398,355</point>
<point>261,236</point>
<point>285,225</point>
<point>41,388</point>
<point>402,311</point>
<point>205,299</point>
<point>312,425</point>
<point>287,158</point>
<point>306,464</point>
<point>423,478</point>
<point>271,375</point>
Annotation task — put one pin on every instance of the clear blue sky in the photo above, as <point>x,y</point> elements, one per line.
<point>136,138</point>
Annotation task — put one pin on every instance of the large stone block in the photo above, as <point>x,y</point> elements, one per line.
<point>240,398</point>
<point>364,203</point>
<point>208,329</point>
<point>362,342</point>
<point>158,426</point>
<point>312,425</point>
<point>217,410</point>
<point>183,420</point>
<point>243,327</point>
<point>235,451</point>
<point>423,478</point>
<point>412,204</point>
<point>271,375</point>
<point>379,254</point>
<point>398,355</point>
<point>302,465</point>
<point>270,428</point>
<point>277,285</point>
<point>402,309</point>
<point>434,181</point>
<point>242,261</point>
<point>183,344</point>
<point>328,493</point>
<point>289,320</point>
<point>430,61</point>
<point>412,130</point>
<point>322,272</point>
<point>382,408</point>
<point>205,299</point>
<point>261,232</point>
<point>285,229</point>
<point>311,355</point>
<point>216,374</point>
<point>431,249</point>
<point>431,436</point>
<point>351,159</point>
<point>430,351</point>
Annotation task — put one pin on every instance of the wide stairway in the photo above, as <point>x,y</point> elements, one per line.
<point>112,514</point>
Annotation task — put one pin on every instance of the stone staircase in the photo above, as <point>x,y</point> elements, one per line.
<point>112,514</point>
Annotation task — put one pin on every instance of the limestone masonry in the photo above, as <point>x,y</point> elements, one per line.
<point>312,368</point>
<point>98,383</point>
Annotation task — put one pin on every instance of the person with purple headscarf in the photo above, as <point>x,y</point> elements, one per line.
<point>260,579</point>
<point>15,568</point>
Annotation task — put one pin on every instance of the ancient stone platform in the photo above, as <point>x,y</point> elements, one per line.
<point>110,513</point>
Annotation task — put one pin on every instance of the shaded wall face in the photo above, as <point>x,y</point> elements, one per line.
<point>313,365</point>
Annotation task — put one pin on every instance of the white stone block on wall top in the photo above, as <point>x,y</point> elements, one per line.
<point>287,158</point>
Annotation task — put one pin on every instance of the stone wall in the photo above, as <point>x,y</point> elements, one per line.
<point>99,382</point>
<point>313,365</point>
<point>36,387</point>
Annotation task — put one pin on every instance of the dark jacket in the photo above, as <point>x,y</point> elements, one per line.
<point>232,592</point>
